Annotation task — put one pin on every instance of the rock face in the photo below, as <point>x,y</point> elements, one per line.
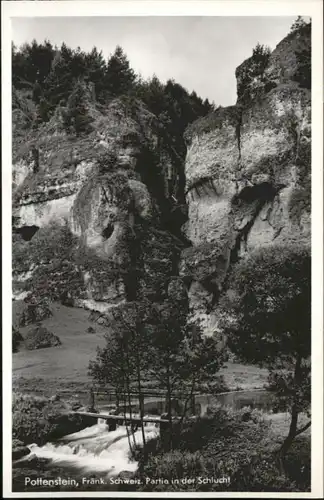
<point>96,218</point>
<point>248,171</point>
<point>93,212</point>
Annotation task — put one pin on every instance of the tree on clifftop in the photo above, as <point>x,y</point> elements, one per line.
<point>297,24</point>
<point>268,322</point>
<point>76,117</point>
<point>120,77</point>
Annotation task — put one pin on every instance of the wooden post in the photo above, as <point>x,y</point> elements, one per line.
<point>91,400</point>
<point>164,431</point>
<point>112,425</point>
<point>193,405</point>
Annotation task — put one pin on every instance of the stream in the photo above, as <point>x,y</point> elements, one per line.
<point>96,451</point>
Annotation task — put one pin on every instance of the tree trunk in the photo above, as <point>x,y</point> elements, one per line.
<point>169,398</point>
<point>129,395</point>
<point>292,431</point>
<point>141,402</point>
<point>294,418</point>
<point>127,431</point>
<point>189,398</point>
<point>117,399</point>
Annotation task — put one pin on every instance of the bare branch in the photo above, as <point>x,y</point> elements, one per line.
<point>303,429</point>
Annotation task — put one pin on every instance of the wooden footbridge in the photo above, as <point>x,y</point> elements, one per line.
<point>154,407</point>
<point>126,413</point>
<point>122,419</point>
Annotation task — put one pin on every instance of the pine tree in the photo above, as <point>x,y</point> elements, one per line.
<point>95,72</point>
<point>120,77</point>
<point>31,63</point>
<point>77,116</point>
<point>59,83</point>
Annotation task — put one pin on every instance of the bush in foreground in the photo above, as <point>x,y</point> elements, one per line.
<point>39,420</point>
<point>17,338</point>
<point>226,451</point>
<point>40,337</point>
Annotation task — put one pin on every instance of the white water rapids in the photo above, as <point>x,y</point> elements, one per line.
<point>94,450</point>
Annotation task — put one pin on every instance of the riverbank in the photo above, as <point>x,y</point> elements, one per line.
<point>74,383</point>
<point>238,444</point>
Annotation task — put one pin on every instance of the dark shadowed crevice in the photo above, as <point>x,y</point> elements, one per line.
<point>238,132</point>
<point>263,192</point>
<point>27,232</point>
<point>212,288</point>
<point>108,231</point>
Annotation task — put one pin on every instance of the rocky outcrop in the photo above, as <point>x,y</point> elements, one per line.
<point>248,173</point>
<point>94,211</point>
<point>106,218</point>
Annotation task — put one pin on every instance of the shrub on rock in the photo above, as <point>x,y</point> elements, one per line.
<point>19,450</point>
<point>35,313</point>
<point>40,337</point>
<point>16,339</point>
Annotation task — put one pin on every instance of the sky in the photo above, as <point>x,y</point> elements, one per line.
<point>200,53</point>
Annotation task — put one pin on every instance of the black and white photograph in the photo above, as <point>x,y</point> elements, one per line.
<point>161,254</point>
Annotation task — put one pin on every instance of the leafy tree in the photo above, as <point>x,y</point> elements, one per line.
<point>122,362</point>
<point>297,24</point>
<point>303,74</point>
<point>260,58</point>
<point>268,322</point>
<point>152,341</point>
<point>252,68</point>
<point>182,360</point>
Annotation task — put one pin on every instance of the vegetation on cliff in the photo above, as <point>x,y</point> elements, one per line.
<point>50,78</point>
<point>68,99</point>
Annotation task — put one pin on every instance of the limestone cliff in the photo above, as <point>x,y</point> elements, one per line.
<point>91,213</point>
<point>100,219</point>
<point>248,171</point>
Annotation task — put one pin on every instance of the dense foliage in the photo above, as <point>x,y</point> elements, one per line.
<point>303,74</point>
<point>252,73</point>
<point>17,338</point>
<point>153,341</point>
<point>52,246</point>
<point>236,448</point>
<point>268,321</point>
<point>54,77</point>
<point>39,420</point>
<point>40,338</point>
